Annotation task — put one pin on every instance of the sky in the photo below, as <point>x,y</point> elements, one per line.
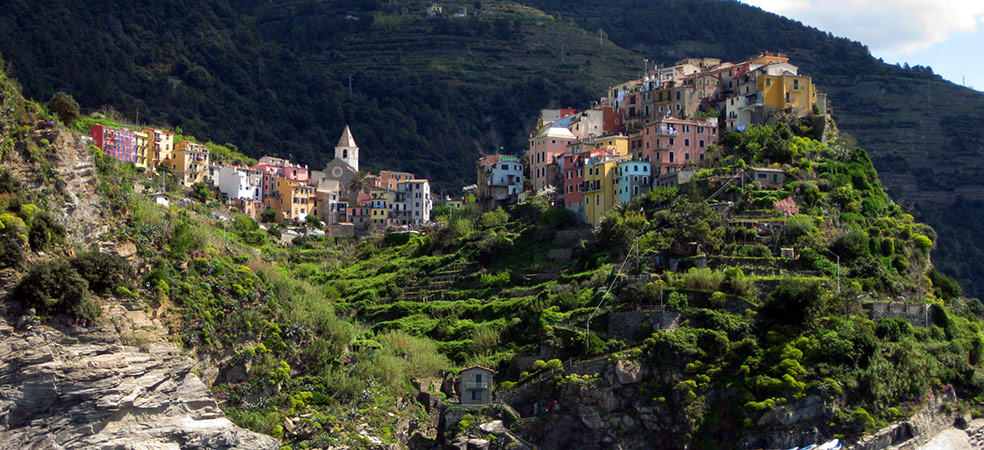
<point>947,35</point>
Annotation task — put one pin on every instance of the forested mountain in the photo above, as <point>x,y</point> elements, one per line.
<point>429,94</point>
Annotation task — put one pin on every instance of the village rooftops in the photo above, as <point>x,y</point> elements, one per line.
<point>558,133</point>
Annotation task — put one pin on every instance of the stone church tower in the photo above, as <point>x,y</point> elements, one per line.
<point>347,151</point>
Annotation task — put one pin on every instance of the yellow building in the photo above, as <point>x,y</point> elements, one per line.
<point>161,146</point>
<point>618,143</point>
<point>188,163</point>
<point>379,203</point>
<point>599,187</point>
<point>293,200</point>
<point>143,150</point>
<point>785,91</point>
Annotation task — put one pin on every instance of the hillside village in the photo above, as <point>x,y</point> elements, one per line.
<point>656,131</point>
<point>670,324</point>
<point>347,200</point>
<point>652,131</point>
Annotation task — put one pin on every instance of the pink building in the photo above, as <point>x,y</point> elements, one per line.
<point>273,167</point>
<point>671,143</point>
<point>545,149</point>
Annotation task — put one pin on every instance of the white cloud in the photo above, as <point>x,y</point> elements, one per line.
<point>885,26</point>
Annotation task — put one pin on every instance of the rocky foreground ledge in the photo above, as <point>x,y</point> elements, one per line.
<point>109,386</point>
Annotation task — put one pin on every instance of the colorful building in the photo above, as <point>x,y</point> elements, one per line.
<point>389,178</point>
<point>599,186</point>
<point>293,200</point>
<point>116,143</point>
<point>500,180</point>
<point>160,145</point>
<point>632,178</point>
<point>545,148</point>
<point>143,158</point>
<point>672,143</point>
<point>189,163</point>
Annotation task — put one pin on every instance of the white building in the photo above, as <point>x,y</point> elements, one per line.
<point>238,183</point>
<point>416,195</point>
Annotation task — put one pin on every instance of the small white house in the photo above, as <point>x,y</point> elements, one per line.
<point>476,385</point>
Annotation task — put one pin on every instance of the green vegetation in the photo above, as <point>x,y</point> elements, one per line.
<point>329,331</point>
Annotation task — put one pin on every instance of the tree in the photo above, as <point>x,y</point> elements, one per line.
<point>201,192</point>
<point>359,183</point>
<point>65,107</point>
<point>312,221</point>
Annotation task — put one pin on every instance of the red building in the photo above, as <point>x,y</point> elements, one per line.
<point>117,143</point>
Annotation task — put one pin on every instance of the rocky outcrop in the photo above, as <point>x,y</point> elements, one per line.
<point>930,421</point>
<point>83,388</point>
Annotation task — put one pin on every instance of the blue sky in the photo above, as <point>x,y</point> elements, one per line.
<point>947,35</point>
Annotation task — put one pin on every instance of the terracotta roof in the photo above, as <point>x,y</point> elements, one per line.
<point>480,367</point>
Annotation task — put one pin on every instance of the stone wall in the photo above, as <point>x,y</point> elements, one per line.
<point>627,324</point>
<point>917,315</point>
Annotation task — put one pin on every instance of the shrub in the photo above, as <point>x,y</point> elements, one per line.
<point>676,301</point>
<point>55,286</point>
<point>103,271</point>
<point>922,241</point>
<point>792,302</point>
<point>11,250</point>
<point>718,300</point>
<point>65,107</point>
<point>44,231</point>
<point>943,286</point>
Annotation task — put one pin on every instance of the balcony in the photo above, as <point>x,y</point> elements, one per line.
<point>476,384</point>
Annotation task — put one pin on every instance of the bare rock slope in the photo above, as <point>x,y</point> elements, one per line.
<point>84,388</point>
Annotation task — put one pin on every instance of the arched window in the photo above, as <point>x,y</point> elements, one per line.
<point>344,153</point>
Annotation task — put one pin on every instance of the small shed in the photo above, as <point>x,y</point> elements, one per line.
<point>767,176</point>
<point>476,385</point>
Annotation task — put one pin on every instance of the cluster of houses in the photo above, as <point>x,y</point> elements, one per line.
<point>340,196</point>
<point>647,132</point>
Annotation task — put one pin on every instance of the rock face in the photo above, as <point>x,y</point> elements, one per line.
<point>84,388</point>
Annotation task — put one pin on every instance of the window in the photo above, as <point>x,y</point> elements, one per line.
<point>701,156</point>
<point>701,143</point>
<point>787,97</point>
<point>647,144</point>
<point>686,128</point>
<point>686,156</point>
<point>672,141</point>
<point>686,142</point>
<point>768,82</point>
<point>678,95</point>
<point>671,156</point>
<point>344,153</point>
<point>597,200</point>
<point>796,83</point>
<point>700,130</point>
<point>476,395</point>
